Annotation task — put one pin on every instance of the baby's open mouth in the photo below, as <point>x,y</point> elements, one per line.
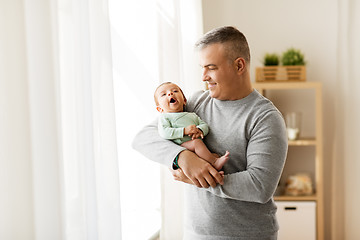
<point>172,100</point>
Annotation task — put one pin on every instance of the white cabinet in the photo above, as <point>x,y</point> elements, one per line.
<point>297,220</point>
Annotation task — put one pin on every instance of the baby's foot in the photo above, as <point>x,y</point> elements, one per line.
<point>219,162</point>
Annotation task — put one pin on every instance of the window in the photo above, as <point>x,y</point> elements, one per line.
<point>135,73</point>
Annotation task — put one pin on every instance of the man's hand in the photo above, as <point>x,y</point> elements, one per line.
<point>200,172</point>
<point>193,132</point>
<point>180,176</point>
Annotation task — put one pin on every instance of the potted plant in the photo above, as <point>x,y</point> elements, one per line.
<point>292,69</point>
<point>271,59</point>
<point>270,70</point>
<point>292,57</point>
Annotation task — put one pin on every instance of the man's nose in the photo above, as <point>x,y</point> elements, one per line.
<point>204,76</point>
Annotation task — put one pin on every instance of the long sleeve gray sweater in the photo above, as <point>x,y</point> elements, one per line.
<point>253,131</point>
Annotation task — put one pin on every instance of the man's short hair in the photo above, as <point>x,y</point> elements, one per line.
<point>234,41</point>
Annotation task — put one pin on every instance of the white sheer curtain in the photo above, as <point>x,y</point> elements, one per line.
<point>135,71</point>
<point>90,178</point>
<point>347,152</point>
<point>70,67</point>
<point>74,165</point>
<point>180,26</point>
<point>152,42</point>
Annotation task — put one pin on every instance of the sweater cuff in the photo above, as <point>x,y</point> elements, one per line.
<point>175,164</point>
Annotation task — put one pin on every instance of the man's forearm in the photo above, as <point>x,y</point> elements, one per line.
<point>265,158</point>
<point>149,143</point>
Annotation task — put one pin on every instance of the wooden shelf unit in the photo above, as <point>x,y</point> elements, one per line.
<point>302,142</point>
<point>315,142</point>
<point>296,198</point>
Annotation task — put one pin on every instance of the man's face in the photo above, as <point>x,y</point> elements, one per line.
<point>219,72</point>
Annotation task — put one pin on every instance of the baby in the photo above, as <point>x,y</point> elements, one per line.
<point>184,128</point>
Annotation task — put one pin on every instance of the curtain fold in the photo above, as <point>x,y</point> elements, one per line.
<point>179,26</point>
<point>346,150</point>
<point>90,177</point>
<point>149,47</point>
<point>135,73</point>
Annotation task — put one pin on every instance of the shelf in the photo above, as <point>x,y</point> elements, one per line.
<point>286,85</point>
<point>295,198</point>
<point>306,146</point>
<point>302,142</point>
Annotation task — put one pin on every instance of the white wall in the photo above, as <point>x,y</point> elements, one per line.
<point>16,218</point>
<point>274,26</point>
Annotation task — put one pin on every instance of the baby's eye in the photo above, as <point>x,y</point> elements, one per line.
<point>163,94</point>
<point>176,91</point>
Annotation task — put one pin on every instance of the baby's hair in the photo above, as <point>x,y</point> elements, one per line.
<point>162,84</point>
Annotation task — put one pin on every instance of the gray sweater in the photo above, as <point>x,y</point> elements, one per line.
<point>254,133</point>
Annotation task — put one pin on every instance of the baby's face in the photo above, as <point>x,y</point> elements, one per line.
<point>170,98</point>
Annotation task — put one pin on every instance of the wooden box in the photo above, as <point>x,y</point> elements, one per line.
<point>280,73</point>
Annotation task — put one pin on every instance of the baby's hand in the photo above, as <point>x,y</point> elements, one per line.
<point>193,132</point>
<point>190,130</point>
<point>198,134</point>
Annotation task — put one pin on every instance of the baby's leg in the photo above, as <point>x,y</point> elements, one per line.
<point>199,147</point>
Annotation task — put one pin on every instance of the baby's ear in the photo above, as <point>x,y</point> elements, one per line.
<point>159,109</point>
<point>185,100</point>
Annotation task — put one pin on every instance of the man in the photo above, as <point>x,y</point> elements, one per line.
<point>239,205</point>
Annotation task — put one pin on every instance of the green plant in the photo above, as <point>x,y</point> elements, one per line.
<point>271,59</point>
<point>292,57</point>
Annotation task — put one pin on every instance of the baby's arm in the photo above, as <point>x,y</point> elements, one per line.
<point>167,131</point>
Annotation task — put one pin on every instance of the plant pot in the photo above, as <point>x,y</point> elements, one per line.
<point>281,73</point>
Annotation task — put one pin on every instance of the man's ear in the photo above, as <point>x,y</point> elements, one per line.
<point>240,64</point>
<point>159,109</point>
